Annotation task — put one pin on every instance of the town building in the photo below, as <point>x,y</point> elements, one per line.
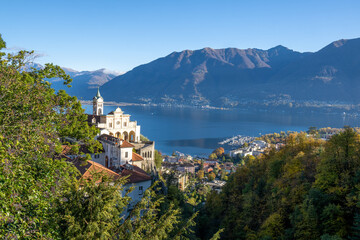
<point>255,148</point>
<point>181,167</point>
<point>216,185</point>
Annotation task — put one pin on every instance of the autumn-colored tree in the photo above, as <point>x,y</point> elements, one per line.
<point>213,156</point>
<point>200,174</point>
<point>219,151</point>
<point>211,176</point>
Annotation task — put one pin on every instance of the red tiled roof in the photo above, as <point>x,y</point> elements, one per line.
<point>135,174</point>
<point>126,144</point>
<point>65,149</point>
<point>136,157</point>
<point>87,168</point>
<point>98,168</point>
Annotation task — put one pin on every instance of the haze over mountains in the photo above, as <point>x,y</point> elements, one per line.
<point>231,77</point>
<point>85,82</point>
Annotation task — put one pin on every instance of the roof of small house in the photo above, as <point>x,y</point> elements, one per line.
<point>88,168</point>
<point>133,173</point>
<point>136,157</point>
<point>126,144</point>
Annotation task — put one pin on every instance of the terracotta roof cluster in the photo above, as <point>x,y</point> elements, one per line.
<point>136,157</point>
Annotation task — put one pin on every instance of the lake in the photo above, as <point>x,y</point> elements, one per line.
<point>197,131</point>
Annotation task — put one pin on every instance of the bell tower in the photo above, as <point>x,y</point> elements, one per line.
<point>98,104</point>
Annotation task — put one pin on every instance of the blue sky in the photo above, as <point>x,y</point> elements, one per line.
<point>120,35</point>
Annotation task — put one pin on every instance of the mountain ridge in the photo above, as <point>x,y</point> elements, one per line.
<point>231,77</point>
<point>226,77</point>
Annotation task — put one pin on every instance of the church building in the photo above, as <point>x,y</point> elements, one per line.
<point>115,123</point>
<point>119,136</point>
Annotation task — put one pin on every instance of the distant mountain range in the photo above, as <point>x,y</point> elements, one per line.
<point>231,77</point>
<point>84,83</point>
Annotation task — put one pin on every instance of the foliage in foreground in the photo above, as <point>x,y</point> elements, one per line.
<point>41,195</point>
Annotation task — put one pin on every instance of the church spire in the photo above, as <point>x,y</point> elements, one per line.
<point>98,102</point>
<point>98,95</point>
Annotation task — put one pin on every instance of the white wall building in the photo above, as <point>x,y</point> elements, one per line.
<point>116,123</point>
<point>115,130</point>
<point>116,152</point>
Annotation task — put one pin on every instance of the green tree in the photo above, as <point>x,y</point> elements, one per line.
<point>355,228</point>
<point>33,119</point>
<point>158,159</point>
<point>143,138</point>
<point>41,194</point>
<point>312,130</point>
<point>91,208</point>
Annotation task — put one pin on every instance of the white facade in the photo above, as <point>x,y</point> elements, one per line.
<point>255,148</point>
<point>116,123</point>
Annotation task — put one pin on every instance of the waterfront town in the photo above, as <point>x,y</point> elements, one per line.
<point>126,153</point>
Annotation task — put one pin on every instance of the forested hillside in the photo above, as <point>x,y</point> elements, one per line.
<point>310,189</point>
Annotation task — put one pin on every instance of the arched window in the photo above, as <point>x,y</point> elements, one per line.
<point>132,136</point>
